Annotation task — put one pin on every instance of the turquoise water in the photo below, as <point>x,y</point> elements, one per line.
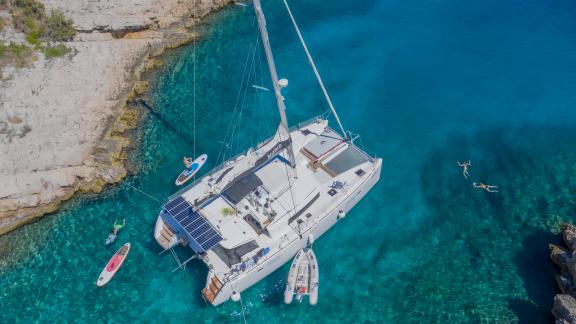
<point>425,83</point>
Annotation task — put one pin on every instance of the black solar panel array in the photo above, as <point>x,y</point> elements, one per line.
<point>201,234</point>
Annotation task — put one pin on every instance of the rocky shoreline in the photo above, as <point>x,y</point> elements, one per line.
<point>565,258</point>
<point>65,123</point>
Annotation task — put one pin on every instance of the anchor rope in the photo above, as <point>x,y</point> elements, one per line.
<point>241,304</point>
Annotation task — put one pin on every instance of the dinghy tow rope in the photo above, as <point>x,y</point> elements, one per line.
<point>240,299</point>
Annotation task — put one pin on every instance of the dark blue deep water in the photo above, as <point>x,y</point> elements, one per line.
<point>425,83</point>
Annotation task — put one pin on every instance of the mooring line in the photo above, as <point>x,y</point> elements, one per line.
<point>147,195</point>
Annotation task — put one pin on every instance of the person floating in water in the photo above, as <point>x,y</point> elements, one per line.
<point>464,167</point>
<point>118,227</point>
<point>486,187</point>
<point>187,162</point>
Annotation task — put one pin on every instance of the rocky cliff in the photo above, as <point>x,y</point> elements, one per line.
<point>63,121</point>
<point>564,304</point>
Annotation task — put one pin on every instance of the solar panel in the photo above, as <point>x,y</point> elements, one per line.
<point>200,235</point>
<point>173,203</point>
<point>194,224</point>
<point>211,241</point>
<point>186,222</point>
<point>200,230</point>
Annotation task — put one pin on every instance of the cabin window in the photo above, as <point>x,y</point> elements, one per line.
<point>360,172</point>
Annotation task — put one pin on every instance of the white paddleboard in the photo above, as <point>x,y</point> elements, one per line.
<point>192,170</point>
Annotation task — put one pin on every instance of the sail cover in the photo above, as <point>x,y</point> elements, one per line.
<point>189,225</point>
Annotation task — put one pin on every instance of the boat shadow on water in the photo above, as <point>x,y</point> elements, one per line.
<point>186,138</point>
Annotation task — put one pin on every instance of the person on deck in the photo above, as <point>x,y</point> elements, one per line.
<point>464,166</point>
<point>187,162</point>
<point>118,227</point>
<point>486,187</point>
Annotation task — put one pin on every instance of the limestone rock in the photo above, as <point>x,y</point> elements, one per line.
<point>569,236</point>
<point>56,117</point>
<point>564,309</point>
<point>566,284</point>
<point>559,255</point>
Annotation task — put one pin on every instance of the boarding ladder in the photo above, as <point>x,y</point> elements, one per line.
<point>166,235</point>
<point>213,289</point>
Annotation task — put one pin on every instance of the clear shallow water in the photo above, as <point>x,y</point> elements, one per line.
<point>425,84</point>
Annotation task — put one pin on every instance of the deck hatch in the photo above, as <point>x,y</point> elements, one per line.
<point>190,225</point>
<point>323,144</point>
<point>242,187</point>
<point>350,158</point>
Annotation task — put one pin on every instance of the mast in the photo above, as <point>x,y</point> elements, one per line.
<point>274,75</point>
<point>311,61</point>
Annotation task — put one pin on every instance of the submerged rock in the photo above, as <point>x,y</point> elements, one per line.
<point>569,236</point>
<point>564,309</point>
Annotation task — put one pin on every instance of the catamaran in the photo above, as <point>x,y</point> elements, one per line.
<point>251,214</point>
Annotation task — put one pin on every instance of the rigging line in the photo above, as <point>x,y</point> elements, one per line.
<point>270,119</point>
<point>194,80</point>
<point>284,128</point>
<point>227,136</point>
<point>289,177</point>
<point>257,108</point>
<point>241,99</point>
<point>315,70</point>
<point>236,128</point>
<point>221,151</point>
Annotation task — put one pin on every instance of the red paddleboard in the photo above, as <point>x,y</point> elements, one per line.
<point>113,265</point>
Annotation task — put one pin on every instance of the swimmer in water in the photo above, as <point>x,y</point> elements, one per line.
<point>464,167</point>
<point>486,187</point>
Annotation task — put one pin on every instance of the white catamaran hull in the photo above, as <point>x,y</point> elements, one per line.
<point>277,260</point>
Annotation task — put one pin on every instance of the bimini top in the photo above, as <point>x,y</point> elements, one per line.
<point>189,225</point>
